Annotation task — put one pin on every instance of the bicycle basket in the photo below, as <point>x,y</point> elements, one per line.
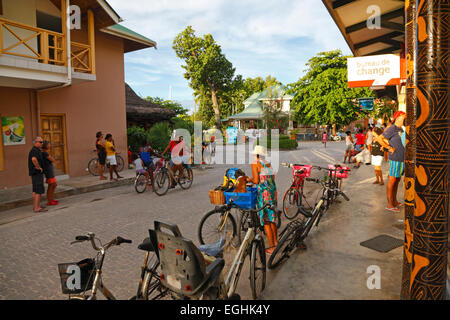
<point>306,171</point>
<point>216,197</point>
<point>245,200</point>
<point>339,174</point>
<point>68,272</point>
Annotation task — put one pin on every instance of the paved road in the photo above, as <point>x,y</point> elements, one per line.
<point>31,248</point>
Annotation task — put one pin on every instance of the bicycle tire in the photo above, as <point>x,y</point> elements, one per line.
<point>93,166</point>
<point>161,182</point>
<point>242,228</point>
<point>292,200</point>
<point>284,246</point>
<point>186,183</point>
<point>151,286</point>
<point>214,218</point>
<point>257,255</point>
<point>120,163</point>
<point>140,184</point>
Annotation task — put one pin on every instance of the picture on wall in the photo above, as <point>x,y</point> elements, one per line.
<point>13,130</point>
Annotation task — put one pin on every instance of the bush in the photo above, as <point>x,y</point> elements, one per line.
<point>137,137</point>
<point>285,142</point>
<point>159,136</point>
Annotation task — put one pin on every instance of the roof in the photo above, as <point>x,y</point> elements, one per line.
<point>351,17</point>
<point>253,111</point>
<point>141,109</point>
<point>132,40</point>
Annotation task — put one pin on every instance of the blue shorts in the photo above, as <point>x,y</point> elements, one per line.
<point>396,168</point>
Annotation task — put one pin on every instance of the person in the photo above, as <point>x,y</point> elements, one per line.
<point>139,166</point>
<point>369,138</point>
<point>348,145</point>
<point>111,157</point>
<point>377,156</point>
<point>360,140</point>
<point>101,152</point>
<point>391,140</point>
<point>176,160</point>
<point>324,139</point>
<point>264,179</point>
<point>213,145</point>
<point>36,172</point>
<point>146,154</point>
<point>363,156</point>
<point>49,172</point>
<point>130,157</point>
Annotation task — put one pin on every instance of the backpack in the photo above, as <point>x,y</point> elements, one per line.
<point>230,178</point>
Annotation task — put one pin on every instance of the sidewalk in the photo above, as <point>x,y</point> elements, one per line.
<point>21,196</point>
<point>335,265</point>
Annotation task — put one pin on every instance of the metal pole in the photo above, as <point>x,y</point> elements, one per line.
<point>432,187</point>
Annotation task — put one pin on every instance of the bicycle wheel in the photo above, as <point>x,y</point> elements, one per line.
<point>257,268</point>
<point>284,246</point>
<point>140,184</point>
<point>120,163</point>
<point>151,287</point>
<point>162,182</point>
<point>216,224</point>
<point>242,228</point>
<point>188,177</point>
<point>292,200</point>
<point>93,166</point>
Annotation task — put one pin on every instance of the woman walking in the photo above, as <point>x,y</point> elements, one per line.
<point>101,152</point>
<point>263,177</point>
<point>348,146</point>
<point>377,156</point>
<point>49,172</point>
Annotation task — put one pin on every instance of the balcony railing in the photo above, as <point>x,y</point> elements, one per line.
<point>41,45</point>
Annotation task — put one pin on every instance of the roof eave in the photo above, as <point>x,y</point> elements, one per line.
<point>110,11</point>
<point>147,43</point>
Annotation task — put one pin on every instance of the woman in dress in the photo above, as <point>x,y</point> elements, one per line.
<point>348,146</point>
<point>264,179</point>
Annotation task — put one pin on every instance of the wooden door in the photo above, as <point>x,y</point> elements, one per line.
<point>53,130</point>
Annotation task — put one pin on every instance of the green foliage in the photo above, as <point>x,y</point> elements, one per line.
<point>159,136</point>
<point>284,143</point>
<point>169,104</point>
<point>137,137</point>
<point>322,96</point>
<point>184,123</point>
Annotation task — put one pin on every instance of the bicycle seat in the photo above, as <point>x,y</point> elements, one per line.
<point>183,268</point>
<point>214,250</point>
<point>146,245</point>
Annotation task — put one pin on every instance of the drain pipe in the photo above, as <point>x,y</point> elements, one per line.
<point>69,69</point>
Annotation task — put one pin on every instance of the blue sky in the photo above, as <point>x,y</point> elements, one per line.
<point>275,37</point>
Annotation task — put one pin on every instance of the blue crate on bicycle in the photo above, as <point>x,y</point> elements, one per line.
<point>246,200</point>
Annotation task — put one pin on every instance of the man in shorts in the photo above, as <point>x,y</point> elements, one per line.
<point>392,141</point>
<point>36,172</point>
<point>111,157</point>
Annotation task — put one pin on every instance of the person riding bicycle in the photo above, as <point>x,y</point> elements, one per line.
<point>177,158</point>
<point>264,178</point>
<point>146,154</point>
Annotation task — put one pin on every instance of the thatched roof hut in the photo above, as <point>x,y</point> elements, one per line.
<point>142,112</point>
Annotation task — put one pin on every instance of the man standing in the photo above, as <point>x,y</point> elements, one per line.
<point>111,157</point>
<point>36,172</point>
<point>392,141</point>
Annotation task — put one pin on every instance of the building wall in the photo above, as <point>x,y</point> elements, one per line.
<point>88,107</point>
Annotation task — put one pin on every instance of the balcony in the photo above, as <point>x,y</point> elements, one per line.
<point>32,57</point>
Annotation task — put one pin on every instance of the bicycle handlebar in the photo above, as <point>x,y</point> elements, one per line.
<point>91,237</point>
<point>232,204</point>
<point>336,167</point>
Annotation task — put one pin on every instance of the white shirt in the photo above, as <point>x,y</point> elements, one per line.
<point>138,164</point>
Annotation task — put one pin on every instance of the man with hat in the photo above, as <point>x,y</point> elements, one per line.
<point>392,141</point>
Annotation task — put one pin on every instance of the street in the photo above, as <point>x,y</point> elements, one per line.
<point>32,247</point>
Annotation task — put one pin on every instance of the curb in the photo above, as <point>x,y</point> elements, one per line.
<point>67,193</point>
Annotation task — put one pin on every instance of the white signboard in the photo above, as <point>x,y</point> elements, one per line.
<point>371,71</point>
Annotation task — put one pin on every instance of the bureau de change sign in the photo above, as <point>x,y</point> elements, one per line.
<point>379,70</point>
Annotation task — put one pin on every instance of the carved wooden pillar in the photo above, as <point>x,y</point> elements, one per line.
<point>410,155</point>
<point>432,172</point>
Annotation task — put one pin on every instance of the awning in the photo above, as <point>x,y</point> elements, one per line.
<point>357,25</point>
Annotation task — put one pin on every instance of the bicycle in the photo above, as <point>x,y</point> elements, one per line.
<point>86,275</point>
<point>292,199</point>
<point>163,178</point>
<point>296,231</point>
<point>220,223</point>
<point>94,163</point>
<point>210,283</point>
<point>140,182</point>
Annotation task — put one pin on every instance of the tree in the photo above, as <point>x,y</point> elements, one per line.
<point>207,68</point>
<point>173,105</point>
<point>322,95</point>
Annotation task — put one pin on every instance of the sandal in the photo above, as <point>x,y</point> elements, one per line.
<point>394,209</point>
<point>400,205</point>
<point>41,210</point>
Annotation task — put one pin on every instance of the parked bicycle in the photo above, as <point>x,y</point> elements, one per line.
<point>186,274</point>
<point>82,280</point>
<point>296,231</point>
<point>94,163</point>
<point>292,199</point>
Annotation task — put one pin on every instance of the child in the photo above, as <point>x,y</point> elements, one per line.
<point>139,164</point>
<point>324,139</point>
<point>348,146</point>
<point>49,172</point>
<point>377,156</point>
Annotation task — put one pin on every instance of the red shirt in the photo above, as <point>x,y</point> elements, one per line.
<point>360,138</point>
<point>172,145</point>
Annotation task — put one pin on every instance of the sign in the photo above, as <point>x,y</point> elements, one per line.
<point>13,130</point>
<point>379,70</point>
<point>366,104</point>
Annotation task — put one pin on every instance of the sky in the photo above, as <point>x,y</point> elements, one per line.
<point>259,37</point>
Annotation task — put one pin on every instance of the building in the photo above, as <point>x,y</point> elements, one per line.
<point>61,83</point>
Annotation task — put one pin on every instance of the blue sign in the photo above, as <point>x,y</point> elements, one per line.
<point>366,104</point>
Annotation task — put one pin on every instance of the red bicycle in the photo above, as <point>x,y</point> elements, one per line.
<point>292,199</point>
